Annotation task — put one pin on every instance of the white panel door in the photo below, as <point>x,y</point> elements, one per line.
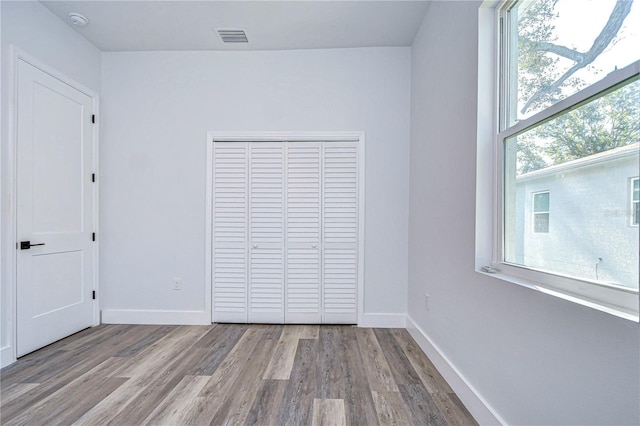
<point>55,213</point>
<point>340,232</point>
<point>303,278</point>
<point>266,232</point>
<point>230,239</point>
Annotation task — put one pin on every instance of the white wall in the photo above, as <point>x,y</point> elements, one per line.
<point>535,359</point>
<point>35,30</point>
<point>157,108</point>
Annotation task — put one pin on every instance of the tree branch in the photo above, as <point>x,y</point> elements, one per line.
<point>543,46</point>
<point>608,33</point>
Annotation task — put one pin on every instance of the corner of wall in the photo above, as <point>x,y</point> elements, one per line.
<point>383,321</point>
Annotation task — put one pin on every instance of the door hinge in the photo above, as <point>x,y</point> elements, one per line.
<point>93,236</point>
<point>93,177</point>
<point>93,295</point>
<point>93,118</point>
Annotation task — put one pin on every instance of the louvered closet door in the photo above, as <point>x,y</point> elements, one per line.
<point>230,216</point>
<point>303,272</point>
<point>340,232</point>
<point>266,232</point>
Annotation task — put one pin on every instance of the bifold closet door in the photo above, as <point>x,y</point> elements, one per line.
<point>230,229</point>
<point>303,284</point>
<point>248,232</point>
<point>340,233</point>
<point>285,232</point>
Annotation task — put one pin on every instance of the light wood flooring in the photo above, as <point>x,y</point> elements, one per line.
<point>229,374</point>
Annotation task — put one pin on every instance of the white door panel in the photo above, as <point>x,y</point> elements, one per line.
<point>304,304</point>
<point>54,208</point>
<point>51,273</point>
<point>230,217</point>
<point>266,232</point>
<point>340,232</point>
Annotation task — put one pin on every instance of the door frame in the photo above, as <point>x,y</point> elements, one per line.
<point>17,55</point>
<point>270,136</point>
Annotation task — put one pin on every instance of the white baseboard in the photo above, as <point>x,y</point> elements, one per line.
<point>383,320</point>
<point>132,316</point>
<point>475,403</point>
<point>6,356</point>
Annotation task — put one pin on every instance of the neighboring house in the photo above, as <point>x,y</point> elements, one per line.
<point>580,218</point>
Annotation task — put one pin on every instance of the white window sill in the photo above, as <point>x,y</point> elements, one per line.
<point>536,287</point>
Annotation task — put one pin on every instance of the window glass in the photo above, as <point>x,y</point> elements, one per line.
<point>541,213</point>
<point>541,202</point>
<point>541,223</point>
<point>558,47</point>
<point>586,157</point>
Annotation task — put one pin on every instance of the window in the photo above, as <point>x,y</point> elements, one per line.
<point>635,201</point>
<point>541,213</point>
<point>567,123</point>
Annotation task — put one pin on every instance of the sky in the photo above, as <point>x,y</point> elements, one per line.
<point>580,22</point>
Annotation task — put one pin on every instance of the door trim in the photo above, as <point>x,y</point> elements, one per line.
<point>284,136</point>
<point>17,55</point>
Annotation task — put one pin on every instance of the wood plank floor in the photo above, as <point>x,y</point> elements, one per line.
<point>229,374</point>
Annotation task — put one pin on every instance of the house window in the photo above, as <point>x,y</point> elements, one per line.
<point>541,213</point>
<point>635,201</point>
<point>567,123</point>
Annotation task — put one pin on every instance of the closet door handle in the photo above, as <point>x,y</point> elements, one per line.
<point>255,246</point>
<point>314,245</point>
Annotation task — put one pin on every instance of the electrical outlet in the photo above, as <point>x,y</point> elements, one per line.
<point>426,301</point>
<point>177,283</point>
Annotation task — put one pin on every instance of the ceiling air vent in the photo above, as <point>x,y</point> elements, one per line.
<point>232,35</point>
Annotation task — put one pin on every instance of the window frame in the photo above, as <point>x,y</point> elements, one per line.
<point>614,299</point>
<point>635,204</point>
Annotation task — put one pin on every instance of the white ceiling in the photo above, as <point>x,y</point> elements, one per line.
<point>189,25</point>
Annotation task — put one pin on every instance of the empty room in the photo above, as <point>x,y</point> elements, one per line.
<point>320,212</point>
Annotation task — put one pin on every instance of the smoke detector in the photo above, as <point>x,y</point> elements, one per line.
<point>232,35</point>
<point>78,20</point>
